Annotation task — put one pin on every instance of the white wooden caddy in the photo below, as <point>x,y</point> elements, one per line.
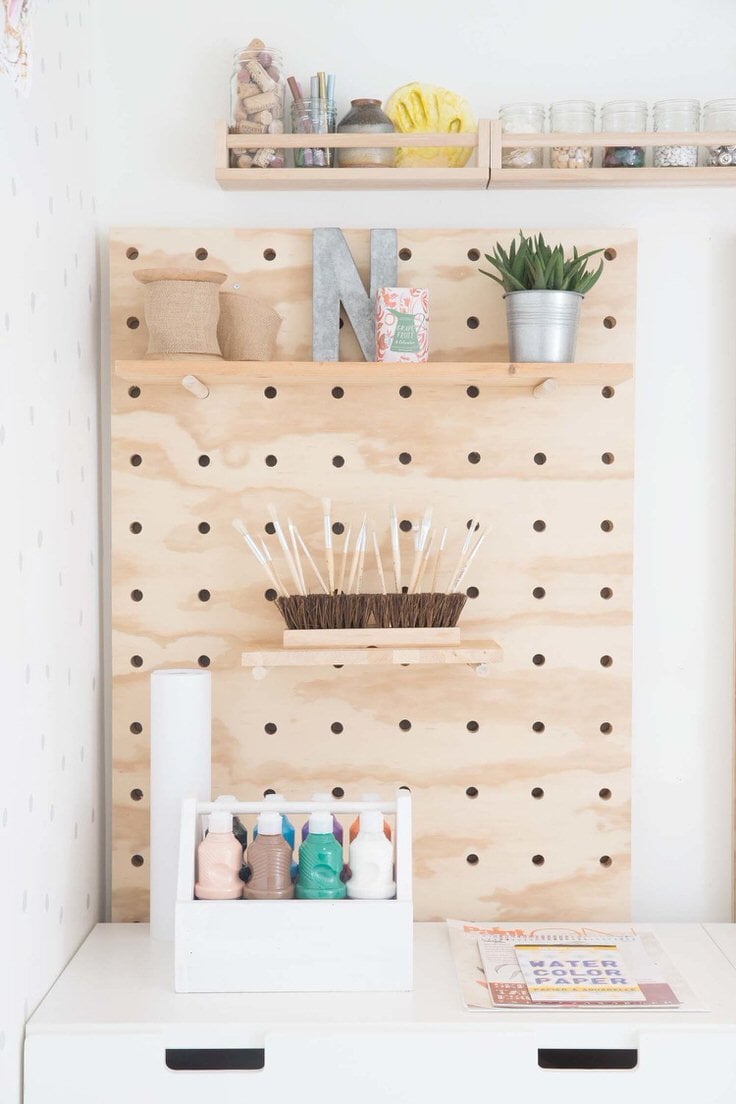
<point>112,1027</point>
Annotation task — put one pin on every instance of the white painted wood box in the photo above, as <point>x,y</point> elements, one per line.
<point>294,946</point>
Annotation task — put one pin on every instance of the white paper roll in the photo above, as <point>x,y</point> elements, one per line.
<point>181,765</point>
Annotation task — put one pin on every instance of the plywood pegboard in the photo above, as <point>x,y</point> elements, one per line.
<point>530,762</point>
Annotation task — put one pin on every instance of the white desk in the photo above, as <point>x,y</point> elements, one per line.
<point>101,1036</point>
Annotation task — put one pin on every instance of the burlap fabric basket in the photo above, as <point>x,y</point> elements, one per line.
<point>247,329</point>
<point>182,309</point>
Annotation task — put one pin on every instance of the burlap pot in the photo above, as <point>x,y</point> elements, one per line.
<point>247,329</point>
<point>181,310</point>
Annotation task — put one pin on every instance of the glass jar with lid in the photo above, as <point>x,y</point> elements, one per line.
<point>257,94</point>
<point>624,116</point>
<point>720,115</point>
<point>522,118</point>
<point>572,117</point>
<point>682,115</point>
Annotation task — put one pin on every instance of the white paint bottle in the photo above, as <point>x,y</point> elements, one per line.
<point>371,861</point>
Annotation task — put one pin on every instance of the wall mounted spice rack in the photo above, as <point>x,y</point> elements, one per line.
<point>487,170</point>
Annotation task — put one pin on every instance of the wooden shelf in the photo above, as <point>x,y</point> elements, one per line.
<point>473,653</point>
<point>611,178</point>
<point>363,373</point>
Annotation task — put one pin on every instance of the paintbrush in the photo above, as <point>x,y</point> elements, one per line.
<point>345,547</point>
<point>285,548</point>
<point>310,560</point>
<point>395,549</point>
<point>379,562</point>
<point>240,527</point>
<point>329,554</point>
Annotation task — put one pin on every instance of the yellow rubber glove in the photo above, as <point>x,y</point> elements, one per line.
<point>428,109</point>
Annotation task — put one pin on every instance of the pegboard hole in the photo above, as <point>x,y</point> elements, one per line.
<point>405,392</point>
<point>474,458</point>
<point>537,793</point>
<point>607,458</point>
<point>606,526</point>
<point>472,391</point>
<point>204,527</point>
<point>472,859</point>
<point>472,726</point>
<point>267,793</point>
<point>606,593</point>
<point>405,726</point>
<point>538,726</point>
<point>608,392</point>
<point>271,460</point>
<point>605,860</point>
<point>606,661</point>
<point>540,458</point>
<point>269,254</point>
<point>609,322</point>
<point>136,860</point>
<point>136,661</point>
<point>132,322</point>
<point>136,728</point>
<point>136,794</point>
<point>203,460</point>
<point>203,660</point>
<point>336,727</point>
<point>136,595</point>
<point>338,528</point>
<point>539,592</point>
<point>405,254</point>
<point>201,254</point>
<point>604,794</point>
<point>538,860</point>
<point>538,660</point>
<point>136,459</point>
<point>270,392</point>
<point>136,527</point>
<point>474,254</point>
<point>134,392</point>
<point>407,788</point>
<point>337,392</point>
<point>405,458</point>
<point>270,595</point>
<point>472,592</point>
<point>131,253</point>
<point>204,595</point>
<point>539,526</point>
<point>338,461</point>
<point>472,791</point>
<point>606,728</point>
<point>270,528</point>
<point>472,323</point>
<point>270,728</point>
<point>405,526</point>
<point>610,254</point>
<point>338,792</point>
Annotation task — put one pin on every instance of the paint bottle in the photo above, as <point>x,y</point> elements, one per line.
<point>320,862</point>
<point>287,828</point>
<point>219,857</point>
<point>355,826</point>
<point>336,825</point>
<point>239,830</point>
<point>269,860</point>
<point>371,861</point>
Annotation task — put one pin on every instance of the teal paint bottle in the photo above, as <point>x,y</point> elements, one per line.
<point>320,862</point>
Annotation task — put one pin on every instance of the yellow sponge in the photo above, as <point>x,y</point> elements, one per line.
<point>418,108</point>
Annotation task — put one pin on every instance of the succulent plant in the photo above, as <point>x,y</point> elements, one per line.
<point>532,265</point>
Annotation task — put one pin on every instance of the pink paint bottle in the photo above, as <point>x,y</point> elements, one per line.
<point>219,858</point>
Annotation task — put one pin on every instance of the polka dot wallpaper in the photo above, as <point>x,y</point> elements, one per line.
<point>51,759</point>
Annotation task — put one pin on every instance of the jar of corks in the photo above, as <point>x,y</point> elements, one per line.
<point>257,94</point>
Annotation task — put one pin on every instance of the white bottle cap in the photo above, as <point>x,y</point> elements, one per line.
<point>269,824</point>
<point>320,824</point>
<point>225,799</point>
<point>274,797</point>
<point>371,822</point>
<point>221,822</point>
<point>321,797</point>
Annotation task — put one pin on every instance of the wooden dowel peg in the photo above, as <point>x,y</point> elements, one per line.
<point>198,389</point>
<point>259,673</point>
<point>482,670</point>
<point>546,387</point>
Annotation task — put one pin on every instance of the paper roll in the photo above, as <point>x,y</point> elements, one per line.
<point>181,759</point>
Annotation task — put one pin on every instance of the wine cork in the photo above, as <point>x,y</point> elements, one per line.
<point>248,127</point>
<point>259,76</point>
<point>264,117</point>
<point>263,158</point>
<point>248,88</point>
<point>255,44</point>
<point>265,101</point>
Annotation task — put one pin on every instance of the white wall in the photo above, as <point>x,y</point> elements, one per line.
<point>51,813</point>
<point>164,80</point>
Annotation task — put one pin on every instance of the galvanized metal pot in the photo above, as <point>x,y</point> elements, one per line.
<point>542,325</point>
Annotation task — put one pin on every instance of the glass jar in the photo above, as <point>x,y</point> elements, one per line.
<point>572,117</point>
<point>313,117</point>
<point>720,115</point>
<point>257,94</point>
<point>676,115</point>
<point>624,115</point>
<point>522,118</point>
<point>365,117</point>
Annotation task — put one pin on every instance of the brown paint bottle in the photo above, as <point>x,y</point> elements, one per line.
<point>269,859</point>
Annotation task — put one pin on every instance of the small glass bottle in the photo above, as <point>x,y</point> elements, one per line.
<point>572,117</point>
<point>676,115</point>
<point>365,117</point>
<point>627,116</point>
<point>522,118</point>
<point>313,117</point>
<point>257,94</point>
<point>720,115</point>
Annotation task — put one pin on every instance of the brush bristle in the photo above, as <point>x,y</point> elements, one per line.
<point>365,611</point>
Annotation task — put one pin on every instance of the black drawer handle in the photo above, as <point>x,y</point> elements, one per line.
<point>234,1058</point>
<point>564,1059</point>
